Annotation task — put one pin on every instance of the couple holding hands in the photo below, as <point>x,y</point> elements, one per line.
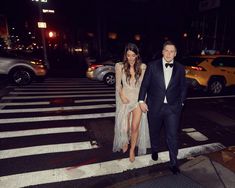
<point>147,98</point>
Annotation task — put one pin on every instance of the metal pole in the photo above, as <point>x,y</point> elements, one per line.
<point>215,32</point>
<point>224,33</point>
<point>43,36</point>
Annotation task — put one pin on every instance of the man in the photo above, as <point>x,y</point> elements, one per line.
<point>164,84</point>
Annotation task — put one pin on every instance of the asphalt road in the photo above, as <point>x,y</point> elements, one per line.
<point>59,134</point>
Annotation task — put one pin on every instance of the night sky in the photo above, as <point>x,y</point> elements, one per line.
<point>137,15</point>
<point>152,19</point>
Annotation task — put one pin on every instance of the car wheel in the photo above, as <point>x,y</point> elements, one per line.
<point>21,76</point>
<point>216,86</point>
<point>109,79</point>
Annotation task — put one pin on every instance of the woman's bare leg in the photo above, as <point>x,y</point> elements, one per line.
<point>136,117</point>
<point>125,146</point>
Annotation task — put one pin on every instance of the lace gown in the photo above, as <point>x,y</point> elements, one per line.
<point>121,132</point>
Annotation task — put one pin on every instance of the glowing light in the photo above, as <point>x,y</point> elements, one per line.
<point>112,36</point>
<point>52,34</point>
<point>137,37</point>
<point>42,25</point>
<point>48,11</point>
<point>90,34</point>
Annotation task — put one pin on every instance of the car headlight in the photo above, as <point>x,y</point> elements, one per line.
<point>36,62</point>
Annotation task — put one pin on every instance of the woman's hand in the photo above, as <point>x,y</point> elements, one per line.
<point>124,99</point>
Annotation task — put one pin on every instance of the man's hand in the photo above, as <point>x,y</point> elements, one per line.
<point>143,107</point>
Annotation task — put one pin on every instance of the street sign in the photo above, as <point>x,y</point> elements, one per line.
<point>42,25</point>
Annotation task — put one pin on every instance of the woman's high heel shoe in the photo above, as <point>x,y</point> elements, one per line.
<point>132,156</point>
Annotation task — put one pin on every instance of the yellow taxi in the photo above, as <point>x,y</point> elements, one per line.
<point>211,72</point>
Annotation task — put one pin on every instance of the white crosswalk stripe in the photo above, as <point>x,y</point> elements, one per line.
<point>56,92</point>
<point>48,102</point>
<point>59,86</point>
<point>56,96</point>
<point>64,88</point>
<point>58,117</point>
<point>9,134</point>
<point>36,150</point>
<point>58,108</point>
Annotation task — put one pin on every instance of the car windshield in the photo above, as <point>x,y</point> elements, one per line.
<point>191,61</point>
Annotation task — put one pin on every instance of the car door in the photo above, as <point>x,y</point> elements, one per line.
<point>4,65</point>
<point>229,65</point>
<point>226,67</point>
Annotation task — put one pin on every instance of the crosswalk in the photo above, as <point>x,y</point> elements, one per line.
<point>45,137</point>
<point>30,122</point>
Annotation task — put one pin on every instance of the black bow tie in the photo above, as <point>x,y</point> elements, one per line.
<point>169,64</point>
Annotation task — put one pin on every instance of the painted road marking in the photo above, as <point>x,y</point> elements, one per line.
<point>24,103</point>
<point>63,108</point>
<point>62,88</point>
<point>56,96</point>
<point>70,80</point>
<point>59,86</point>
<point>56,92</point>
<point>99,169</point>
<point>56,118</point>
<point>32,132</point>
<point>48,102</point>
<point>53,148</point>
<point>68,83</point>
<point>196,135</point>
<point>211,97</point>
<point>94,100</point>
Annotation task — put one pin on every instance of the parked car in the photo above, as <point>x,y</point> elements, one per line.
<point>102,69</point>
<point>21,71</point>
<point>210,72</point>
<point>104,72</point>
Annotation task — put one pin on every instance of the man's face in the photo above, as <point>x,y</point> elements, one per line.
<point>169,53</point>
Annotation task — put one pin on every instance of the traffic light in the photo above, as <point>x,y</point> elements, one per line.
<point>51,34</point>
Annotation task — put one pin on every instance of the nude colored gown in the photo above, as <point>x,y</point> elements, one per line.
<point>121,133</point>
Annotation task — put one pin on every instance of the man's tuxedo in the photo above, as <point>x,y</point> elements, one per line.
<point>159,113</point>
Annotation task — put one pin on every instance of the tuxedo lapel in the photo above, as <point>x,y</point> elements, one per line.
<point>172,75</point>
<point>161,75</point>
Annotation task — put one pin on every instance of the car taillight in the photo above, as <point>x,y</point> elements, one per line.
<point>93,67</point>
<point>198,68</point>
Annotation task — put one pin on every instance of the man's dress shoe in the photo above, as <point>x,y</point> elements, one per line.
<point>175,170</point>
<point>155,156</point>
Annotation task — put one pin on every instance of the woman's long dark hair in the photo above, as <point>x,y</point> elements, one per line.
<point>132,47</point>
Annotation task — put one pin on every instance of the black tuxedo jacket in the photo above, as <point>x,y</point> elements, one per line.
<point>153,85</point>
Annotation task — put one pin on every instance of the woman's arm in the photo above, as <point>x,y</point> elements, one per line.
<point>119,87</point>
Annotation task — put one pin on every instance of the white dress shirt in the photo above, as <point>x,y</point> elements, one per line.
<point>167,74</point>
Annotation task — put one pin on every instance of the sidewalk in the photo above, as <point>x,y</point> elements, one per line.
<point>214,170</point>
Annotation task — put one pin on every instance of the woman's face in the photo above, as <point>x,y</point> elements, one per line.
<point>131,57</point>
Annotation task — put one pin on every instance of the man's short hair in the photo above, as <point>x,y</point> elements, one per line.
<point>169,43</point>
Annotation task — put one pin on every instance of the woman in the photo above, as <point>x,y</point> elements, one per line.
<point>130,123</point>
